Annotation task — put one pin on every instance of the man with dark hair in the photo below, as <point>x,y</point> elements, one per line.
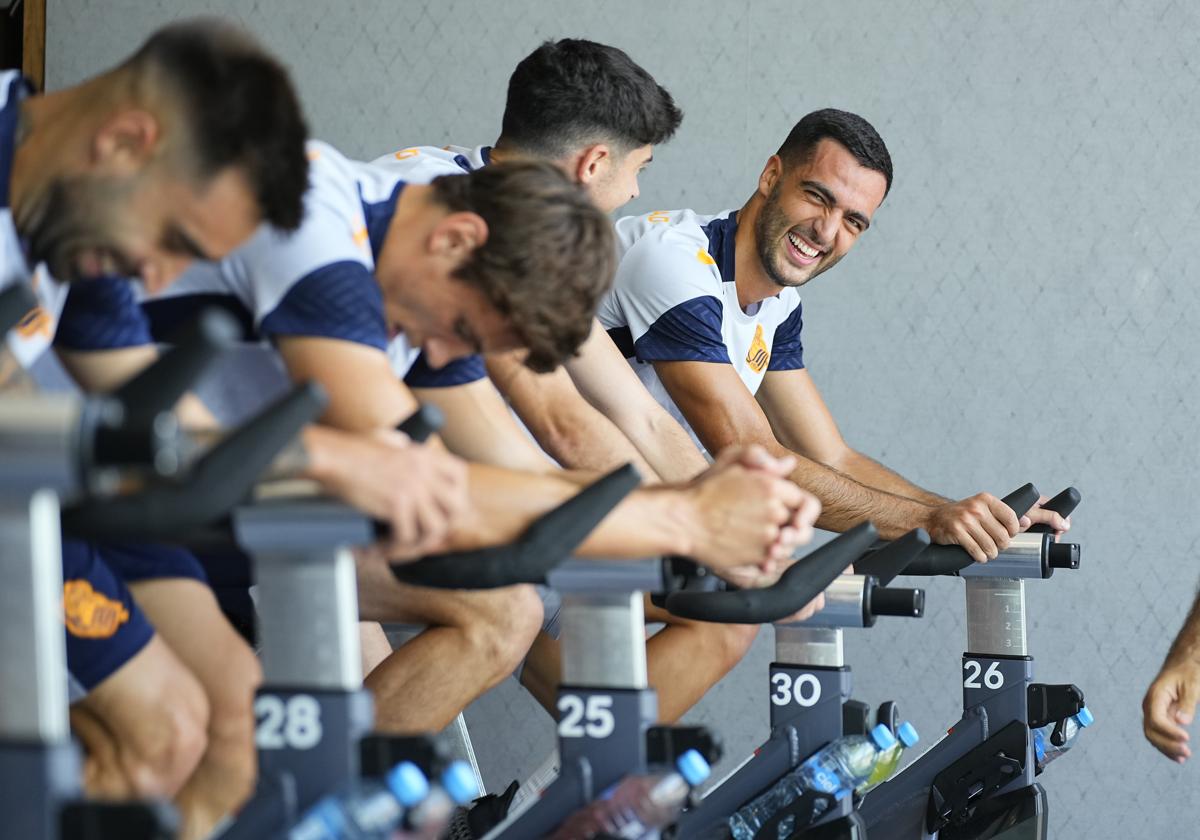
<point>511,256</point>
<point>179,152</point>
<point>707,311</point>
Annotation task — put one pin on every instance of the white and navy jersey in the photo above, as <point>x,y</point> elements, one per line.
<point>318,281</point>
<point>48,323</point>
<point>421,164</point>
<point>674,300</point>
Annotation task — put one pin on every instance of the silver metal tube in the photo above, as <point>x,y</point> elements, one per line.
<point>1022,559</point>
<point>843,604</point>
<point>33,666</point>
<point>996,617</point>
<point>37,438</point>
<point>604,641</point>
<point>308,619</point>
<point>799,645</point>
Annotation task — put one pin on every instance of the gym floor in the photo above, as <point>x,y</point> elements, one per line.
<point>1021,311</point>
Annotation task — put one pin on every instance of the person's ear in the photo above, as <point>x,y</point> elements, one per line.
<point>456,236</point>
<point>125,141</point>
<point>591,164</point>
<point>770,176</point>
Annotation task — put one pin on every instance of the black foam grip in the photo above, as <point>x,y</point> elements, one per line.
<point>422,423</point>
<point>1022,499</point>
<point>544,545</point>
<point>893,558</point>
<point>216,483</point>
<point>802,582</point>
<point>17,301</point>
<point>159,387</point>
<point>1063,504</point>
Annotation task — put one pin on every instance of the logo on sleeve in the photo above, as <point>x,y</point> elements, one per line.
<point>705,257</point>
<point>759,355</point>
<point>659,216</point>
<point>91,614</point>
<point>405,154</point>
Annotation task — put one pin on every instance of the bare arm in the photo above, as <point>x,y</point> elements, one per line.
<point>565,425</point>
<point>605,379</point>
<point>803,424</point>
<point>1170,702</point>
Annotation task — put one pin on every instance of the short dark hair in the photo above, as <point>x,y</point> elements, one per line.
<point>572,93</point>
<point>850,130</point>
<point>239,108</point>
<point>550,254</point>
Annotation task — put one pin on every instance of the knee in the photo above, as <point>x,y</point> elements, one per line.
<point>730,642</point>
<point>503,629</point>
<point>165,751</point>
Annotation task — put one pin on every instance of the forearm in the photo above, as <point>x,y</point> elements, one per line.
<point>871,473</point>
<point>663,443</point>
<point>503,504</point>
<point>13,378</point>
<point>1186,647</point>
<point>845,502</point>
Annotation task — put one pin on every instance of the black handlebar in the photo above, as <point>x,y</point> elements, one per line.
<point>544,545</point>
<point>219,480</point>
<point>15,303</point>
<point>159,387</point>
<point>802,582</point>
<point>1063,504</point>
<point>422,423</point>
<point>950,559</point>
<point>900,602</point>
<point>893,558</point>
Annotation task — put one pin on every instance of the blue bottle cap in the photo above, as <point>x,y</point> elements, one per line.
<point>693,767</point>
<point>407,783</point>
<point>882,737</point>
<point>907,733</point>
<point>1084,717</point>
<point>458,780</point>
<point>1039,745</point>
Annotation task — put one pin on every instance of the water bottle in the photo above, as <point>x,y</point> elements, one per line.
<point>427,820</point>
<point>836,770</point>
<point>1076,723</point>
<point>889,761</point>
<point>368,811</point>
<point>638,805</point>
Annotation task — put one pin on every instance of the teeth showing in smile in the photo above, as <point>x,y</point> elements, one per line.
<point>802,246</point>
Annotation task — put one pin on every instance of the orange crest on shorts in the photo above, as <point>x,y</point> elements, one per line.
<point>90,614</point>
<point>759,355</point>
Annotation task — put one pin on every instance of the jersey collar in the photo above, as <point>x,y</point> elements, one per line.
<point>721,234</point>
<point>18,88</point>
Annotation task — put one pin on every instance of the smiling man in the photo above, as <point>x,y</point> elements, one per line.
<point>706,308</point>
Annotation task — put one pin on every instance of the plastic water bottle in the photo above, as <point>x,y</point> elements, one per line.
<point>427,820</point>
<point>836,770</point>
<point>638,805</point>
<point>369,811</point>
<point>1076,723</point>
<point>889,761</point>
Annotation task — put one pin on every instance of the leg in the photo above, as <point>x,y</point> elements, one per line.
<point>143,719</point>
<point>683,660</point>
<point>142,727</point>
<point>472,641</point>
<point>187,616</point>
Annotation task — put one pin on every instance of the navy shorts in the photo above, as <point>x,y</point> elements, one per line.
<point>105,628</point>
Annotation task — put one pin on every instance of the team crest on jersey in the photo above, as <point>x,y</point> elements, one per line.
<point>759,355</point>
<point>36,322</point>
<point>91,614</point>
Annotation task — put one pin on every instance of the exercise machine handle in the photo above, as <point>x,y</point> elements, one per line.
<point>950,559</point>
<point>899,602</point>
<point>422,423</point>
<point>219,480</point>
<point>544,544</point>
<point>798,585</point>
<point>891,559</point>
<point>17,301</point>
<point>1063,504</point>
<point>159,387</point>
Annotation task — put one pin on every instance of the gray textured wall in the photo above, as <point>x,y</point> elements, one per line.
<point>1020,310</point>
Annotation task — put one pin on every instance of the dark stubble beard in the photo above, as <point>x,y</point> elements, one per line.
<point>770,228</point>
<point>73,214</point>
